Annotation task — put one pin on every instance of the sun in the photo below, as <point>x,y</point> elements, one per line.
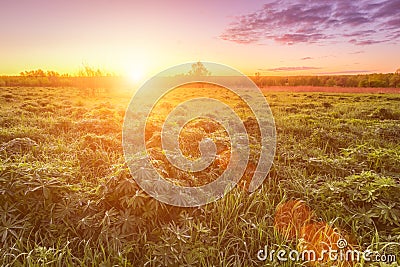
<point>135,74</point>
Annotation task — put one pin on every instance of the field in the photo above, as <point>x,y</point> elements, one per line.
<point>68,198</point>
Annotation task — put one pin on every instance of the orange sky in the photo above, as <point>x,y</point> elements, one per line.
<point>141,38</point>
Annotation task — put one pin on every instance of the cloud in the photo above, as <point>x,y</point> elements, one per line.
<point>303,21</point>
<point>306,58</point>
<point>344,72</point>
<point>387,8</point>
<point>366,42</point>
<point>299,38</point>
<point>357,52</point>
<point>360,33</point>
<point>291,68</point>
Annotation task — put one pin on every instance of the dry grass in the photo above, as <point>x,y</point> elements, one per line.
<point>69,199</point>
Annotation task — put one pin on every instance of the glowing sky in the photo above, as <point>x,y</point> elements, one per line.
<point>270,37</point>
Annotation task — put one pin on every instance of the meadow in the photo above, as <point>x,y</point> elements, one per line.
<point>68,198</point>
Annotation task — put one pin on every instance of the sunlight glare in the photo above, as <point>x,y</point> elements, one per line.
<point>135,74</point>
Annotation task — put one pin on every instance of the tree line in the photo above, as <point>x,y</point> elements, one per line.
<point>93,81</point>
<point>377,80</point>
<point>89,80</point>
<point>388,80</point>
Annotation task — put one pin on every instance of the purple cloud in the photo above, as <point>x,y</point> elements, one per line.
<point>306,58</point>
<point>344,72</point>
<point>357,52</point>
<point>366,42</point>
<point>389,8</point>
<point>299,38</point>
<point>302,21</point>
<point>291,68</point>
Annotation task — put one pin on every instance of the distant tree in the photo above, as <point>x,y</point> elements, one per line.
<point>198,69</point>
<point>40,73</point>
<point>312,80</point>
<point>88,71</point>
<point>258,80</point>
<point>92,81</point>
<point>330,82</point>
<point>395,80</point>
<point>33,73</point>
<point>52,74</point>
<point>363,82</point>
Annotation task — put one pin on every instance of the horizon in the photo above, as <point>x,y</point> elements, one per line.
<point>116,75</point>
<point>289,38</point>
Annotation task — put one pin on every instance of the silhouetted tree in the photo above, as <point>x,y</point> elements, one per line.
<point>93,81</point>
<point>198,69</point>
<point>394,81</point>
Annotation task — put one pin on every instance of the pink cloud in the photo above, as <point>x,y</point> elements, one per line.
<point>302,21</point>
<point>291,68</point>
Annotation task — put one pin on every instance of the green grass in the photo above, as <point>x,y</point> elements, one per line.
<point>70,199</point>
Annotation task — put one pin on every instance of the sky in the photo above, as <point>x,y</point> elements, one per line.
<point>142,38</point>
